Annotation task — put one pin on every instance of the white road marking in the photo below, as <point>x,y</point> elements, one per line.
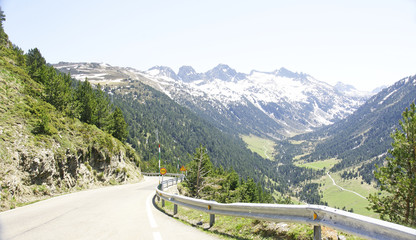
<point>152,220</point>
<point>157,236</point>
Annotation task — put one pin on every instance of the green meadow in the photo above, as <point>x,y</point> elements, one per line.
<point>318,165</point>
<point>335,196</point>
<point>262,146</point>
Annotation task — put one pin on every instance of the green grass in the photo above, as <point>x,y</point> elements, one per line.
<point>318,165</point>
<point>339,198</point>
<point>262,146</point>
<point>296,142</point>
<point>228,227</point>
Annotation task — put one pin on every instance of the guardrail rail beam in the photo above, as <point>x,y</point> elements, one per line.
<point>315,215</point>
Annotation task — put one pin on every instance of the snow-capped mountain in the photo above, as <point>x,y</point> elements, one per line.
<point>364,136</point>
<point>277,104</point>
<point>273,103</point>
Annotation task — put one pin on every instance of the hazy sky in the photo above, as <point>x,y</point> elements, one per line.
<point>366,43</point>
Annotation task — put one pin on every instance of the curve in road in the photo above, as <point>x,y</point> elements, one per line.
<point>119,212</point>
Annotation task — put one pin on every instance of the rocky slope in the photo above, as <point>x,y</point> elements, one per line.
<point>73,156</point>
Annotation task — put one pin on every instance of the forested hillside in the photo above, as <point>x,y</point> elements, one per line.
<point>153,118</point>
<point>361,139</point>
<point>50,136</point>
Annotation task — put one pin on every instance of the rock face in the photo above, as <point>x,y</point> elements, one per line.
<point>31,173</point>
<point>84,167</point>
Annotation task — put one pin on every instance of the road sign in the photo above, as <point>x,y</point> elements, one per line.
<point>183,169</point>
<point>163,171</point>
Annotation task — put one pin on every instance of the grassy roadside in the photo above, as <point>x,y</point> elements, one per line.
<point>227,227</point>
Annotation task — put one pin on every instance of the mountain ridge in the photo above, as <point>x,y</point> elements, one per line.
<point>365,134</point>
<point>295,102</point>
<point>275,104</point>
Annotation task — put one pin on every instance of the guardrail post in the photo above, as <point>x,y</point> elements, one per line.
<point>175,209</point>
<point>211,220</point>
<point>317,232</point>
<point>374,228</point>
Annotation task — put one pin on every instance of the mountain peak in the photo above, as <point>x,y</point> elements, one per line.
<point>188,74</point>
<point>225,73</point>
<point>342,87</point>
<point>163,71</point>
<point>283,72</point>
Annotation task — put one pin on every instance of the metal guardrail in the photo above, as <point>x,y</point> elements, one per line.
<point>316,215</point>
<point>169,182</point>
<point>158,174</point>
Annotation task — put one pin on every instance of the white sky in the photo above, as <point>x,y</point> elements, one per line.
<point>366,43</point>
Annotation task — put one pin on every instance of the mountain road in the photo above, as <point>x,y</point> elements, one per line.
<point>118,212</point>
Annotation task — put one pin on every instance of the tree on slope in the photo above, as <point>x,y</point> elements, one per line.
<point>398,176</point>
<point>87,102</point>
<point>198,169</point>
<point>118,126</point>
<point>3,36</point>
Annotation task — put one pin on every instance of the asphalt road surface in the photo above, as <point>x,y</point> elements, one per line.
<point>119,212</point>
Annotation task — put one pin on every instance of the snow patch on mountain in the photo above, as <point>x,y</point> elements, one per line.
<point>295,101</point>
<point>387,96</point>
<point>274,103</point>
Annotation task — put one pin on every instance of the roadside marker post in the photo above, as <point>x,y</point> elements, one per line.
<point>159,164</point>
<point>163,171</point>
<point>159,156</point>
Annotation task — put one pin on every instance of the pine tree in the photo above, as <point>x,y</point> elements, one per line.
<point>118,126</point>
<point>3,35</point>
<point>103,109</point>
<point>398,176</point>
<point>57,88</point>
<point>2,18</point>
<point>36,65</point>
<point>198,169</point>
<point>87,101</point>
